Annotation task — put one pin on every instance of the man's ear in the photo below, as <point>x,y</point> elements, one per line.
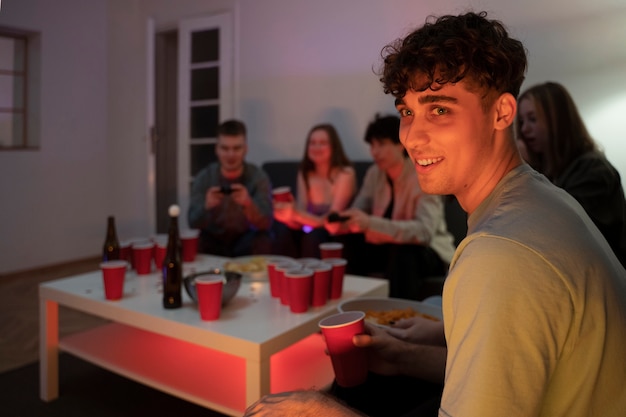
<point>506,109</point>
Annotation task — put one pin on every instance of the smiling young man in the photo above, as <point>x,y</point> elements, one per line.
<point>534,305</point>
<point>395,228</point>
<point>231,199</point>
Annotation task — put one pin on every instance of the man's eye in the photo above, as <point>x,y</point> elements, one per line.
<point>438,111</point>
<point>405,112</point>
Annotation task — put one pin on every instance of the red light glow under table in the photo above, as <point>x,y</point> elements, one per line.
<point>256,347</point>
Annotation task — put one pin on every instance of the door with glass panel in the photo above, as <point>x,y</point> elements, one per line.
<point>203,93</point>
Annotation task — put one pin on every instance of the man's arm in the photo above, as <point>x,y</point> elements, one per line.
<point>197,215</point>
<point>419,229</point>
<point>260,211</point>
<point>389,355</point>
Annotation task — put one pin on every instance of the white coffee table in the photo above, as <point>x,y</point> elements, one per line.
<point>256,347</point>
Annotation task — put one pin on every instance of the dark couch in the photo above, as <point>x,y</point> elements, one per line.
<point>284,173</point>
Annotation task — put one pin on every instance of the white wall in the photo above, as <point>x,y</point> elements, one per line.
<point>298,63</point>
<point>54,201</point>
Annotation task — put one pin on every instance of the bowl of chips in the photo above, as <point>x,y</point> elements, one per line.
<point>385,311</point>
<point>253,267</point>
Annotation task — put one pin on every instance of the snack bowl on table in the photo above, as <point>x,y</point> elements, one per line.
<point>389,306</point>
<point>232,282</point>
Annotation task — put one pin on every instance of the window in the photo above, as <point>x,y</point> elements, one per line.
<point>19,89</point>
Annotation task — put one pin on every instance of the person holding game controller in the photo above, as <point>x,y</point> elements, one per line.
<point>231,199</point>
<point>395,229</point>
<point>326,182</point>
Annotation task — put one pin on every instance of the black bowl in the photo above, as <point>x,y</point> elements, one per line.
<point>231,284</point>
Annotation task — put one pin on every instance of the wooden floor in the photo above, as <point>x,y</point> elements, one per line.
<point>19,312</point>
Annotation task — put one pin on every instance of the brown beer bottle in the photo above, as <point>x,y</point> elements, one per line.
<point>172,264</point>
<point>111,248</point>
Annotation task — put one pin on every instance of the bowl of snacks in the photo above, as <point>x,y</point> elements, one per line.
<point>252,267</point>
<point>232,282</point>
<point>385,311</point>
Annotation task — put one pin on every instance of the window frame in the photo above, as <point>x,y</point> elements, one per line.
<point>29,111</point>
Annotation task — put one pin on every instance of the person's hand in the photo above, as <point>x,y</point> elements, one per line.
<point>358,222</point>
<point>213,197</point>
<point>335,227</point>
<point>419,330</point>
<point>298,403</point>
<point>240,195</point>
<point>383,349</point>
<point>284,211</point>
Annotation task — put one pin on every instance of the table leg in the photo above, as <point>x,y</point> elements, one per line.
<point>257,380</point>
<point>48,350</point>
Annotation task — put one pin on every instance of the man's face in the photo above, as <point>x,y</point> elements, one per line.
<point>386,154</point>
<point>231,152</point>
<point>449,138</point>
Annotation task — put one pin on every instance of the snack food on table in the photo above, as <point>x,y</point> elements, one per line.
<point>388,317</point>
<point>252,265</point>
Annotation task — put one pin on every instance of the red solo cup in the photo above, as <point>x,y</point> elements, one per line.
<point>189,240</point>
<point>281,268</point>
<point>142,255</point>
<point>113,274</point>
<point>160,250</point>
<point>126,253</point>
<point>209,291</point>
<point>306,262</point>
<point>336,277</point>
<point>282,194</point>
<point>321,283</point>
<point>300,287</point>
<point>273,277</point>
<point>349,362</point>
<point>331,250</point>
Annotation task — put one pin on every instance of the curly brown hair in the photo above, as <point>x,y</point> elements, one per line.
<point>449,49</point>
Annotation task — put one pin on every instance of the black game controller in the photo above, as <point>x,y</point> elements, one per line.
<point>334,217</point>
<point>225,189</point>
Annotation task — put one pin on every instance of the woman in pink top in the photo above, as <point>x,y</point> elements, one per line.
<point>326,183</point>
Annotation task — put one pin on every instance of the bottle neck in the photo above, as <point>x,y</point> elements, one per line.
<point>173,239</point>
<point>111,228</point>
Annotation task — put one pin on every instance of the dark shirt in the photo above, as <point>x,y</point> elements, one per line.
<point>229,220</point>
<point>596,185</point>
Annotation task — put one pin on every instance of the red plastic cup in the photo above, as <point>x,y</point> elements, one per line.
<point>300,287</point>
<point>113,274</point>
<point>189,240</point>
<point>126,253</point>
<point>209,291</point>
<point>282,194</point>
<point>281,268</point>
<point>273,277</point>
<point>331,250</point>
<point>160,250</point>
<point>142,255</point>
<point>321,283</point>
<point>308,262</point>
<point>349,362</point>
<point>336,277</point>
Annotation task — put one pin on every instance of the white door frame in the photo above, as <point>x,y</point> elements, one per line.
<point>225,21</point>
<point>150,120</point>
